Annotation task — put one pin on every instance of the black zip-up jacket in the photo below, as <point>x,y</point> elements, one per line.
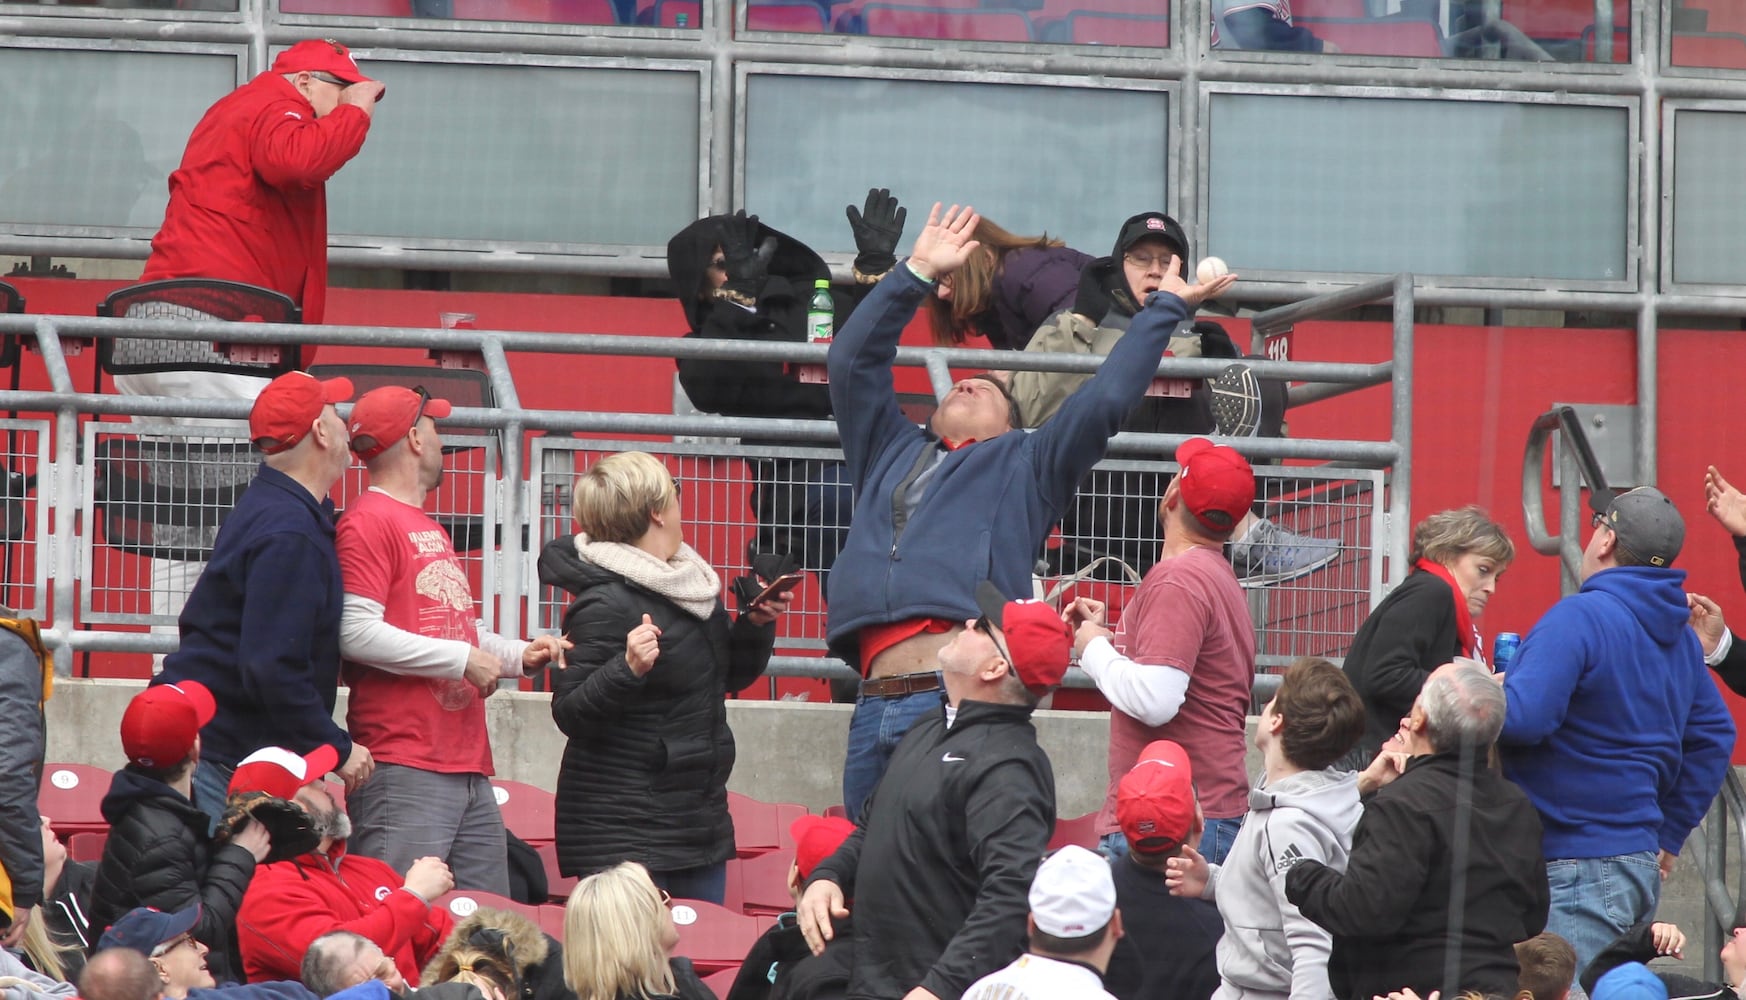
<point>1411,633</point>
<point>781,965</point>
<point>645,770</point>
<point>159,854</point>
<point>1389,913</point>
<point>949,842</point>
<point>1732,669</point>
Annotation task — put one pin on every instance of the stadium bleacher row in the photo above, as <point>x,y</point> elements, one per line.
<point>715,938</point>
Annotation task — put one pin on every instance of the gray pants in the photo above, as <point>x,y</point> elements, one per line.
<point>403,813</point>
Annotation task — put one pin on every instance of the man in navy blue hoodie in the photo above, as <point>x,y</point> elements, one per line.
<point>261,627</point>
<point>940,509</point>
<point>1614,728</point>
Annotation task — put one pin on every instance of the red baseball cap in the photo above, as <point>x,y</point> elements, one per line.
<point>280,772</point>
<point>1217,484</point>
<point>1155,799</point>
<point>817,838</point>
<point>161,723</point>
<point>1038,640</point>
<point>321,55</point>
<point>384,415</point>
<point>288,407</point>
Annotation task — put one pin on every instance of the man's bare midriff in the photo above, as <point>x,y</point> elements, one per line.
<point>914,655</point>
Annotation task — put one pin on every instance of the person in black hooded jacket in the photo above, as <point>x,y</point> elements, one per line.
<point>739,279</point>
<point>158,852</point>
<point>644,775</point>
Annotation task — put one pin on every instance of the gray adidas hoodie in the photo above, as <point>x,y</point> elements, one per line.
<point>1270,949</point>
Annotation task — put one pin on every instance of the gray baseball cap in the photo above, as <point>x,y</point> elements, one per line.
<point>1648,525</point>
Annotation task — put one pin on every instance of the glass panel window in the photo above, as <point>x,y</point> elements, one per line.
<point>1334,184</point>
<point>524,154</point>
<point>670,13</point>
<point>220,6</point>
<point>91,137</point>
<point>1709,221</point>
<point>1141,23</point>
<point>1708,33</point>
<point>1535,30</point>
<point>1072,161</point>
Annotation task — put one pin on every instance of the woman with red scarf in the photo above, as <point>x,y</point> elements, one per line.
<point>1428,620</point>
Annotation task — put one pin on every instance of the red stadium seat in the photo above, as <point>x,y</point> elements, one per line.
<point>86,846</point>
<point>71,796</point>
<point>350,8</point>
<point>721,982</point>
<point>1081,831</point>
<point>1403,37</point>
<point>668,13</point>
<point>759,886</point>
<point>713,937</point>
<point>1118,29</point>
<point>840,811</point>
<point>757,827</point>
<point>1559,19</point>
<point>551,920</point>
<point>784,15</point>
<point>896,21</point>
<point>528,812</point>
<point>461,903</point>
<point>558,885</point>
<point>1711,50</point>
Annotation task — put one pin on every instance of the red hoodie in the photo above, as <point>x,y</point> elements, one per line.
<point>291,903</point>
<point>249,202</point>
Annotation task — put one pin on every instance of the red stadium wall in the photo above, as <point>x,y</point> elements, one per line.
<point>1475,392</point>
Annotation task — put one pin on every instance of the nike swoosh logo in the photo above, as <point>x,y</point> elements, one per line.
<point>949,757</point>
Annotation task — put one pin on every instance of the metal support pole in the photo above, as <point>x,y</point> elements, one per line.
<point>512,551</point>
<point>1569,519</point>
<point>65,476</point>
<point>939,376</point>
<point>1716,926</point>
<point>1400,493</point>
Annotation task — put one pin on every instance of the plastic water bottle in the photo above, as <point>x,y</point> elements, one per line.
<point>821,314</point>
<point>821,326</point>
<point>1503,651</point>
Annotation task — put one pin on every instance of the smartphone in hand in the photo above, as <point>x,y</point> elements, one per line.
<point>781,585</point>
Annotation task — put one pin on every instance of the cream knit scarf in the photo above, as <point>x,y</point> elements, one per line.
<point>685,579</point>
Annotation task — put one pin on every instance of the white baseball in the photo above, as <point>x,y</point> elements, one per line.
<point>1210,270</point>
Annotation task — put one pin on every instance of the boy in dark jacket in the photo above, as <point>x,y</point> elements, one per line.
<point>739,279</point>
<point>159,853</point>
<point>780,966</point>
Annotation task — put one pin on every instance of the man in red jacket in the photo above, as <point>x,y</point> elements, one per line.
<point>248,204</point>
<point>291,903</point>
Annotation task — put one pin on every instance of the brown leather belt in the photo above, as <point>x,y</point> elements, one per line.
<point>902,684</point>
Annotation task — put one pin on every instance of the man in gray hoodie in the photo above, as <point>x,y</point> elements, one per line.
<point>1301,809</point>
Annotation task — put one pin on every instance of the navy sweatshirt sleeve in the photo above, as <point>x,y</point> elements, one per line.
<point>863,395</point>
<point>278,628</point>
<point>1076,438</point>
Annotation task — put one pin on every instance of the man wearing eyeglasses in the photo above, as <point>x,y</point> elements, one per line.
<point>417,658</point>
<point>177,959</point>
<point>249,202</point>
<point>1613,727</point>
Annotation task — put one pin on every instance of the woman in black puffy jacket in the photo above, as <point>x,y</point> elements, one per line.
<point>645,771</point>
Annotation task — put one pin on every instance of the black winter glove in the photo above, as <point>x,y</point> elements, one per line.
<point>766,566</point>
<point>746,260</point>
<point>286,822</point>
<point>878,226</point>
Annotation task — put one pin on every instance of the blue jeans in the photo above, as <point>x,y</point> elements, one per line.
<point>1594,900</point>
<point>212,788</point>
<point>1215,841</point>
<point>708,883</point>
<point>874,732</point>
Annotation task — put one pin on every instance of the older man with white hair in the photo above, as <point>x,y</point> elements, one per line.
<point>1445,874</point>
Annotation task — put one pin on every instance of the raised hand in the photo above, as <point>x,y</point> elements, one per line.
<point>945,243</point>
<point>746,260</point>
<point>1187,874</point>
<point>877,227</point>
<point>1725,503</point>
<point>1706,621</point>
<point>1193,294</point>
<point>642,647</point>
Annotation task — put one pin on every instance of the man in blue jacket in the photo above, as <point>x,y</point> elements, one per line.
<point>1614,728</point>
<point>941,508</point>
<point>261,628</point>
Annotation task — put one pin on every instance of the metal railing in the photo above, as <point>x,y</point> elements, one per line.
<point>1577,467</point>
<point>92,596</point>
<point>1710,839</point>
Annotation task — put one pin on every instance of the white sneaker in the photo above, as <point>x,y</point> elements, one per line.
<point>1268,554</point>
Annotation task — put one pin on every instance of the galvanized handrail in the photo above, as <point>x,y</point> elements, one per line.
<point>1710,840</point>
<point>1577,466</point>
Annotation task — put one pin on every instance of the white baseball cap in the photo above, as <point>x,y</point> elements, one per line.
<point>1073,894</point>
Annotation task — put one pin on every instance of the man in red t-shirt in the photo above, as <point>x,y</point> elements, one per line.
<point>1181,664</point>
<point>418,661</point>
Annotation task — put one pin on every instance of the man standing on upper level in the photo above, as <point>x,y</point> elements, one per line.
<point>1614,728</point>
<point>418,660</point>
<point>941,508</point>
